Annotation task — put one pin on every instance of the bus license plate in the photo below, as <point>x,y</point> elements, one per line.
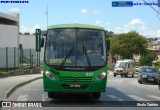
<point>75,85</point>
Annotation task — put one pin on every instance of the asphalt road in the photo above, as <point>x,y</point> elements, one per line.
<point>118,89</point>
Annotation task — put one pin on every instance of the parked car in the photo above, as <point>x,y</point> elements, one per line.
<point>148,74</point>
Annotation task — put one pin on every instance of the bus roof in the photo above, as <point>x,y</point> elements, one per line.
<point>76,26</point>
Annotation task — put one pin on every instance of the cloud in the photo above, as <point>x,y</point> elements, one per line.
<point>127,28</point>
<point>158,33</point>
<point>14,10</point>
<point>84,11</point>
<point>106,24</point>
<point>117,30</point>
<point>25,29</point>
<point>136,21</point>
<point>98,22</point>
<point>143,27</point>
<point>96,12</point>
<point>135,25</point>
<point>37,26</point>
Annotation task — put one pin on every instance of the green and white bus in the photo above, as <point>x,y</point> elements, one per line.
<point>75,59</point>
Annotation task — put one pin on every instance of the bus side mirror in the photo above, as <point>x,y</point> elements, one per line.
<point>42,40</point>
<point>108,44</point>
<point>108,34</point>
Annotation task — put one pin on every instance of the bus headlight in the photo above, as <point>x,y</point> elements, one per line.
<point>101,76</point>
<point>50,75</point>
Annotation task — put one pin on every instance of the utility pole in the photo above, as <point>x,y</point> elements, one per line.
<point>47,16</point>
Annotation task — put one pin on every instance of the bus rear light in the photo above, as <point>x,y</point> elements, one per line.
<point>101,76</point>
<point>50,75</point>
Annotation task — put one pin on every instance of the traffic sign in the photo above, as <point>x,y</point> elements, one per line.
<point>122,3</point>
<point>38,40</point>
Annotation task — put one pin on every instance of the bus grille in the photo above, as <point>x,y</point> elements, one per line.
<point>75,79</point>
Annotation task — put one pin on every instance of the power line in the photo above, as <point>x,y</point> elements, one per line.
<point>47,16</point>
<point>152,8</point>
<point>158,15</point>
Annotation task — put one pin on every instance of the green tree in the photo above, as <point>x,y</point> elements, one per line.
<point>146,59</point>
<point>26,33</point>
<point>127,44</point>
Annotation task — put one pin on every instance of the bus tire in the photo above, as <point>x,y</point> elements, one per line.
<point>114,74</point>
<point>51,94</point>
<point>96,95</point>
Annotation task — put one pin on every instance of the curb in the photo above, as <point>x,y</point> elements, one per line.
<point>13,88</point>
<point>20,72</point>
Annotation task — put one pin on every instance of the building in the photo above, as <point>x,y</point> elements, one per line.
<point>9,30</point>
<point>9,38</point>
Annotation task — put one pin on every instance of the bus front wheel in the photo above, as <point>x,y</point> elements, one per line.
<point>96,95</point>
<point>51,94</point>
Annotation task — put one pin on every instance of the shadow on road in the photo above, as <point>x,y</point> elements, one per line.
<point>84,100</point>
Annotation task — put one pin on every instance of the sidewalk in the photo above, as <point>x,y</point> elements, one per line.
<point>9,84</point>
<point>110,72</point>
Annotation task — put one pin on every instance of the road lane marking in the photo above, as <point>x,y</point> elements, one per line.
<point>137,98</point>
<point>115,97</point>
<point>22,98</point>
<point>155,97</point>
<point>45,97</point>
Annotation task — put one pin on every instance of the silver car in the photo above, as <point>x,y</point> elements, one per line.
<point>148,74</point>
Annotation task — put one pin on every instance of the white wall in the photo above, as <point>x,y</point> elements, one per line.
<point>28,42</point>
<point>8,36</point>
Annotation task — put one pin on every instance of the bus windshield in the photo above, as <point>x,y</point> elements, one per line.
<point>75,47</point>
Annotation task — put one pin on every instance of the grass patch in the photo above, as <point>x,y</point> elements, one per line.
<point>4,70</point>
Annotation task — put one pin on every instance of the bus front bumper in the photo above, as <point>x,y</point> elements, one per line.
<point>57,86</point>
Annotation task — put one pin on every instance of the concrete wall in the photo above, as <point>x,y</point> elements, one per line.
<point>28,42</point>
<point>8,38</point>
<point>8,35</point>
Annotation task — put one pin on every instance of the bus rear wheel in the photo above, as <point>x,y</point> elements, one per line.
<point>51,94</point>
<point>96,95</point>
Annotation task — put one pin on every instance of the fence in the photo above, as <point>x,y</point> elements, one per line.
<point>15,58</point>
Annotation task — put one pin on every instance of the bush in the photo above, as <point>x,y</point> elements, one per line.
<point>157,64</point>
<point>146,59</point>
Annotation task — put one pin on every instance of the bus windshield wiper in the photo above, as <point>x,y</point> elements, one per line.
<point>86,54</point>
<point>68,54</point>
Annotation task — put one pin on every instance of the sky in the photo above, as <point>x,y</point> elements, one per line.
<point>140,18</point>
